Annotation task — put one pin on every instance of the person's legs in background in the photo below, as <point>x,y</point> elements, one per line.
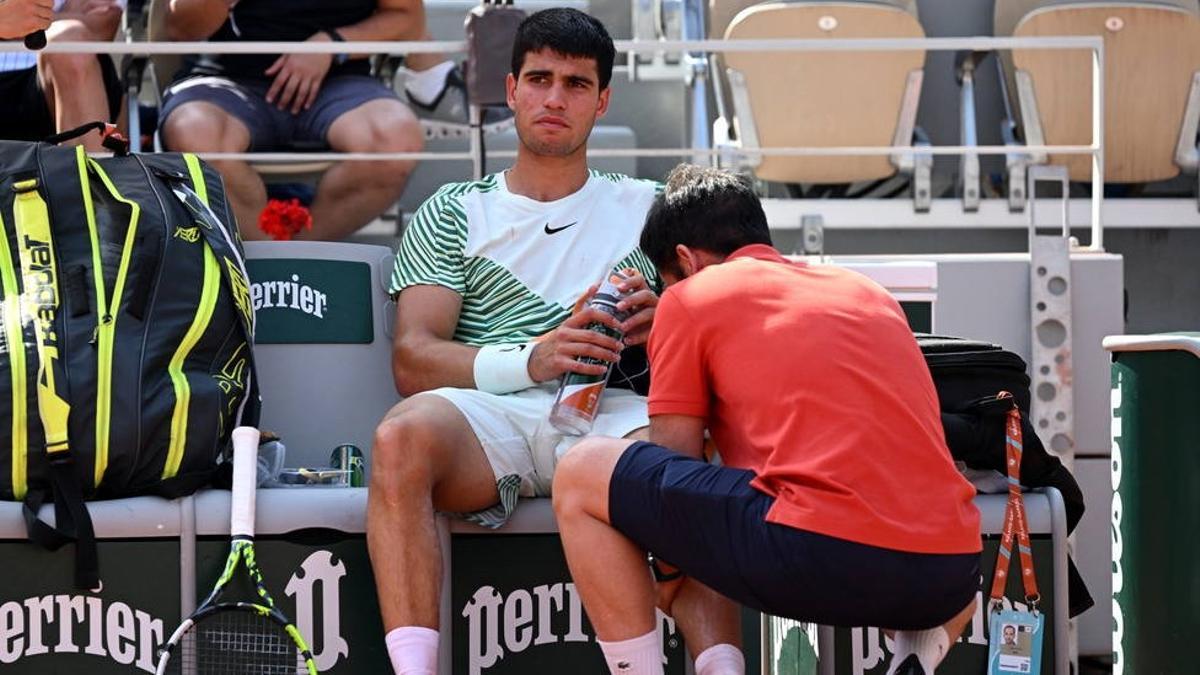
<point>353,193</point>
<point>351,114</point>
<point>424,74</point>
<point>197,125</point>
<point>76,87</point>
<point>437,92</point>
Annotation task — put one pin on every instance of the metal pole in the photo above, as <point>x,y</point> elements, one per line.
<point>698,74</point>
<point>1097,243</point>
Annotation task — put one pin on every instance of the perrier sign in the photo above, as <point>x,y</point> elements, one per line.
<point>311,301</point>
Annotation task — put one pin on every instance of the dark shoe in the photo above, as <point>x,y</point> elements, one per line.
<point>911,665</point>
<point>448,115</point>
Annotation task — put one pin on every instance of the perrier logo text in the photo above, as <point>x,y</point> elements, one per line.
<point>289,294</point>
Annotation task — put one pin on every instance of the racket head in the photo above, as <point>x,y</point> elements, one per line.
<point>236,639</point>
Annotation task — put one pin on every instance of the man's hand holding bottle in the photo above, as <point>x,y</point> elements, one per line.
<point>560,350</point>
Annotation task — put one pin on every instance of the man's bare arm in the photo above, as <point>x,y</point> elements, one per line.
<point>392,20</point>
<point>681,433</point>
<point>189,20</point>
<point>425,355</point>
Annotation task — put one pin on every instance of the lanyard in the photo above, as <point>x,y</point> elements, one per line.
<point>1014,517</point>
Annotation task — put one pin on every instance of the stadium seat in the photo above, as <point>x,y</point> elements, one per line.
<point>323,368</point>
<point>1151,84</point>
<point>822,99</point>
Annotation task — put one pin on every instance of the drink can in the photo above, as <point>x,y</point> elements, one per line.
<point>348,456</point>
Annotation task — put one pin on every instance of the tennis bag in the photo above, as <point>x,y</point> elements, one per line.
<point>125,332</point>
<point>967,375</point>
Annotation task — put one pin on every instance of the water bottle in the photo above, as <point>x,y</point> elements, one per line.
<point>578,397</point>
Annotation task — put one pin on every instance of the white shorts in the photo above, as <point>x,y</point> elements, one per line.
<point>516,434</point>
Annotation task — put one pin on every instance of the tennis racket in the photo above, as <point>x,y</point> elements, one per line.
<point>238,638</point>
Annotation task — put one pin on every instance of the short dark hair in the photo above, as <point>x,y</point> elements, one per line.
<point>568,32</point>
<point>703,208</point>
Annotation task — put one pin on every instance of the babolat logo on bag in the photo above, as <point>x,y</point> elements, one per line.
<point>188,234</point>
<point>311,301</point>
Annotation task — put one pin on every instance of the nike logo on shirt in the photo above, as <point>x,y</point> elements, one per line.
<point>552,230</point>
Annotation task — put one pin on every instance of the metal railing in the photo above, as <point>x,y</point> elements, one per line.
<point>1094,44</point>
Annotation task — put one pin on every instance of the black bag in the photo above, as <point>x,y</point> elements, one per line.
<point>127,330</point>
<point>491,28</point>
<point>967,375</point>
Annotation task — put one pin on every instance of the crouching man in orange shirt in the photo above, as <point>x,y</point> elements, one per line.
<point>838,502</point>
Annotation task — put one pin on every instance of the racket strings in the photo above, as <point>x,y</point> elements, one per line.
<point>237,643</point>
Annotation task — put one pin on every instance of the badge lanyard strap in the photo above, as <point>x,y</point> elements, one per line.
<point>1014,518</point>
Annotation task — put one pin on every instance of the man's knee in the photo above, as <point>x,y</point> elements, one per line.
<point>68,73</point>
<point>200,127</point>
<point>583,470</point>
<point>379,126</point>
<point>401,455</point>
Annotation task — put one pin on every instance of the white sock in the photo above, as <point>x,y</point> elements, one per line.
<point>930,646</point>
<point>425,85</point>
<point>636,656</point>
<point>413,650</point>
<point>722,659</point>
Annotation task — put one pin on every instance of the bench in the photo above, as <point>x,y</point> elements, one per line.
<point>508,604</point>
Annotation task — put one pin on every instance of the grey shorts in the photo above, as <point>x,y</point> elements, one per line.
<point>272,128</point>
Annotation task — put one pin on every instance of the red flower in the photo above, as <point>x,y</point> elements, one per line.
<point>283,219</point>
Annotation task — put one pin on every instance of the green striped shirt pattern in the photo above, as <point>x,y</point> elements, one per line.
<point>497,308</point>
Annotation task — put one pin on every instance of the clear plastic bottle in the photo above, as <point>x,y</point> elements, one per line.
<point>579,394</point>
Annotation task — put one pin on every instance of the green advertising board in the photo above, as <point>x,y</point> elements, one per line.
<point>311,301</point>
<point>919,315</point>
<point>513,606</point>
<point>322,579</point>
<point>1155,513</point>
<point>515,610</point>
<point>46,626</point>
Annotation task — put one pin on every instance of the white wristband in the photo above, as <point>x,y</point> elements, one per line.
<point>501,369</point>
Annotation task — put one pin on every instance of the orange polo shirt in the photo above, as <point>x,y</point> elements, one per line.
<point>810,377</point>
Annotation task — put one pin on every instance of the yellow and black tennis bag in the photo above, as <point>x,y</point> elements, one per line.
<point>125,332</point>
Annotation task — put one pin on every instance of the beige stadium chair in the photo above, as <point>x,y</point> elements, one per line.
<point>822,99</point>
<point>1151,85</point>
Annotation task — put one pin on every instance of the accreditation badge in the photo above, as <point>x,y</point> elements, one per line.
<point>1015,643</point>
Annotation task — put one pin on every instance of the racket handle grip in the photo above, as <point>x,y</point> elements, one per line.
<point>245,477</point>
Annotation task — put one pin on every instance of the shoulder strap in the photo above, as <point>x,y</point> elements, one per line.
<point>72,522</point>
<point>38,267</point>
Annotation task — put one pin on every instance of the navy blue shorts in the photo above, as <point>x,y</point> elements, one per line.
<point>271,128</point>
<point>710,523</point>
